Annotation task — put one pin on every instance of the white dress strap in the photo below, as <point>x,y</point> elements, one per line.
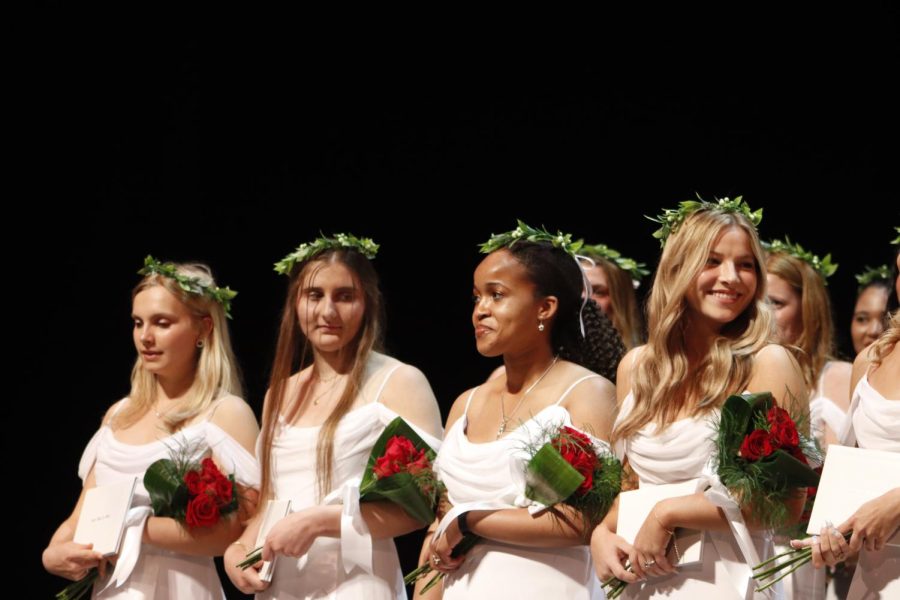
<point>469,399</point>
<point>385,380</point>
<point>571,387</point>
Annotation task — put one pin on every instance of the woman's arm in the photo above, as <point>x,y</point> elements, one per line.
<point>407,393</point>
<point>62,556</point>
<point>591,405</point>
<point>235,418</point>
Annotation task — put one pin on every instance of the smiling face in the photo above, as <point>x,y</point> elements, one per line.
<point>787,307</point>
<point>165,333</point>
<point>726,284</point>
<point>507,312</point>
<point>330,306</point>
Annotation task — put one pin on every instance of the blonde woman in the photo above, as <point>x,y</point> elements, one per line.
<point>709,330</point>
<point>185,391</point>
<point>319,426</point>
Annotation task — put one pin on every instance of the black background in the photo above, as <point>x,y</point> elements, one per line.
<point>232,148</point>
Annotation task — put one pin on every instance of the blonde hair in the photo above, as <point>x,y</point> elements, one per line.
<point>293,350</point>
<point>884,345</point>
<point>815,346</point>
<point>663,385</point>
<point>626,315</point>
<point>216,369</point>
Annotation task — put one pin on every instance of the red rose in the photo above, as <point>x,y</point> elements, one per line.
<point>399,449</point>
<point>210,471</point>
<point>202,511</point>
<point>784,434</point>
<point>756,445</point>
<point>577,450</point>
<point>385,467</point>
<point>223,490</point>
<point>194,482</point>
<point>778,415</point>
<point>399,455</point>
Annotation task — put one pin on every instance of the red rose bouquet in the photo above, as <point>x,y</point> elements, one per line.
<point>196,494</point>
<point>761,456</point>
<point>399,470</point>
<point>568,469</point>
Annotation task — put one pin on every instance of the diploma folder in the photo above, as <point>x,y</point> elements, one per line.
<point>102,518</point>
<point>850,478</point>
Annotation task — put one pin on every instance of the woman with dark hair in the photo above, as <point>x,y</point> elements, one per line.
<point>319,426</point>
<point>531,309</point>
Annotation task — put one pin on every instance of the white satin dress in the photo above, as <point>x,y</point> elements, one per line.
<point>160,573</point>
<point>327,570</point>
<point>874,423</point>
<point>680,453</point>
<point>490,475</point>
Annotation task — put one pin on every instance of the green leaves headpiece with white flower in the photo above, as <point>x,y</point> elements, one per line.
<point>672,218</point>
<point>635,269</point>
<point>307,251</point>
<point>823,266</point>
<point>881,272</point>
<point>526,233</point>
<point>191,285</point>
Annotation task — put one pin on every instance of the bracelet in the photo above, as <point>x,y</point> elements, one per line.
<point>463,524</point>
<point>669,531</point>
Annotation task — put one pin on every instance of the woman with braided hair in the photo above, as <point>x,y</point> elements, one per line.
<point>530,308</point>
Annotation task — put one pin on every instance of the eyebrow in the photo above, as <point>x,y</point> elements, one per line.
<point>742,257</point>
<point>340,290</point>
<point>163,315</point>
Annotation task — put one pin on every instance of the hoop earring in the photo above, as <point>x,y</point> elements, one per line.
<point>199,343</point>
<point>540,324</point>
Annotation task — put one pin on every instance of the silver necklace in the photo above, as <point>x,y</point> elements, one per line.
<point>504,419</point>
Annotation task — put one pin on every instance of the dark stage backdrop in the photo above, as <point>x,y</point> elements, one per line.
<point>230,155</point>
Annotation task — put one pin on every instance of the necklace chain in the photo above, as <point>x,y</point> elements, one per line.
<point>504,419</point>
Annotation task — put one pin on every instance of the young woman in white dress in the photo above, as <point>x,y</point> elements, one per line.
<point>874,423</point>
<point>709,329</point>
<point>184,391</point>
<point>319,425</point>
<point>529,309</point>
<point>803,324</point>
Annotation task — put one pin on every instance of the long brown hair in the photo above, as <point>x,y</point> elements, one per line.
<point>815,346</point>
<point>626,317</point>
<point>663,384</point>
<point>294,352</point>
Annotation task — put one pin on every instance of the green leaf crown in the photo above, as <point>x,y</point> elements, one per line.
<point>306,251</point>
<point>896,240</point>
<point>672,218</point>
<point>635,269</point>
<point>191,285</point>
<point>526,233</point>
<point>823,266</point>
<point>881,272</point>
